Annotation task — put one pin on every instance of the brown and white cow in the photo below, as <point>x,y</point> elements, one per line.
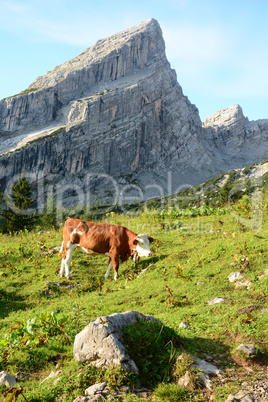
<point>102,238</point>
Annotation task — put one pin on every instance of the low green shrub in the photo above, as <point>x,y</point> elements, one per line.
<point>174,393</point>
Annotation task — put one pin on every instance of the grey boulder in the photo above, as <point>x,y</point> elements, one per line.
<point>101,341</point>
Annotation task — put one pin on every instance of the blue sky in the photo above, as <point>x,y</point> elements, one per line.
<point>218,48</point>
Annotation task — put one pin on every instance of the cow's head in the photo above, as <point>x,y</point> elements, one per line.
<point>141,245</point>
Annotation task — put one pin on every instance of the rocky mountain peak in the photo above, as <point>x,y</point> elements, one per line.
<point>227,117</point>
<point>117,111</point>
<point>141,45</point>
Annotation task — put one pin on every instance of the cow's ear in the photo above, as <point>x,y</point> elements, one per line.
<point>151,239</point>
<point>135,241</point>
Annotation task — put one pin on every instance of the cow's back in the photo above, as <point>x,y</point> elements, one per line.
<point>99,237</point>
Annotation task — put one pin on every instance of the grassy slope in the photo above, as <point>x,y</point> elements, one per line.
<point>169,290</point>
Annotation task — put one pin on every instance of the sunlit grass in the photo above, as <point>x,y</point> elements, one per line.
<point>191,262</point>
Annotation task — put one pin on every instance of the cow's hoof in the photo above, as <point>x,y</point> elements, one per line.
<point>68,278</point>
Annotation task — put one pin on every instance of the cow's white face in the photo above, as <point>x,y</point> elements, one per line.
<point>141,244</point>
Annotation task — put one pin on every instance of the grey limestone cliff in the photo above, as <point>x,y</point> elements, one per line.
<point>117,113</point>
<point>239,141</point>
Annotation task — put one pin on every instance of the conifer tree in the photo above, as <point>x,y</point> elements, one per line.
<point>14,207</point>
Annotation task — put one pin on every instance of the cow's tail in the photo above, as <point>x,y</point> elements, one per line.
<point>61,250</point>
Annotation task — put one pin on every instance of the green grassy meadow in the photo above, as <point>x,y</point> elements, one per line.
<point>192,259</point>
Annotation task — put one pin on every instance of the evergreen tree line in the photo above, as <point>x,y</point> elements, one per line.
<point>16,209</point>
<point>17,212</point>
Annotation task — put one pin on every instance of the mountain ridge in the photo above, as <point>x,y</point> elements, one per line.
<point>118,110</point>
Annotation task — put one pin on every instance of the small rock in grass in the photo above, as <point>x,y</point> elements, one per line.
<point>243,282</point>
<point>263,275</point>
<point>53,374</point>
<point>205,381</point>
<point>248,349</point>
<point>94,389</point>
<point>206,367</point>
<point>6,379</point>
<point>231,398</point>
<point>216,300</point>
<point>184,325</point>
<point>185,380</point>
<point>247,398</point>
<point>22,376</point>
<point>234,276</point>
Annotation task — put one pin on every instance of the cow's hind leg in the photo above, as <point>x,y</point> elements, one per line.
<point>110,265</point>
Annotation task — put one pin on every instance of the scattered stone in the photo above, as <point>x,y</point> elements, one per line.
<point>100,342</point>
<point>243,282</point>
<point>241,394</point>
<point>206,367</point>
<point>249,309</point>
<point>54,250</point>
<point>64,285</point>
<point>95,398</point>
<point>22,376</point>
<point>209,357</point>
<point>96,388</point>
<point>53,374</point>
<point>7,380</point>
<point>234,276</point>
<point>205,381</point>
<point>184,325</point>
<point>239,397</point>
<point>142,392</point>
<point>263,275</point>
<point>185,380</point>
<point>216,300</point>
<point>247,398</point>
<point>231,398</point>
<point>56,381</point>
<point>40,232</point>
<point>248,349</point>
<point>144,270</point>
<point>100,392</point>
<point>200,283</point>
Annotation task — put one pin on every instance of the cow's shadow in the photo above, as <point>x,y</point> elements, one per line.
<point>145,261</point>
<point>142,264</point>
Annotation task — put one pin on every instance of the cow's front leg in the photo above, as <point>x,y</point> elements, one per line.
<point>69,253</point>
<point>62,268</point>
<point>115,262</point>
